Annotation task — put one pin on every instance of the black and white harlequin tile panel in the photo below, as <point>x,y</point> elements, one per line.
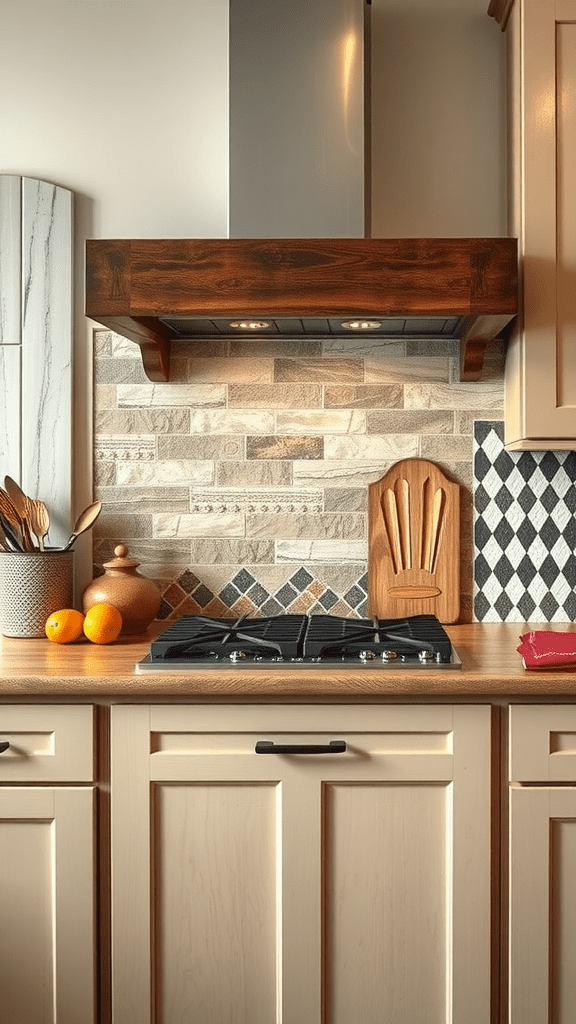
<point>524,531</point>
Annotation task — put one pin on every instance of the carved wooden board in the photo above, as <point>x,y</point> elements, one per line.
<point>414,542</point>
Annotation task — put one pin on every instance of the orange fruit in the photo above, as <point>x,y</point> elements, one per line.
<point>64,625</point>
<point>102,623</point>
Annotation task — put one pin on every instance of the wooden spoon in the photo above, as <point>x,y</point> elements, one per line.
<point>39,520</point>
<point>7,509</point>
<point>85,520</point>
<point>20,504</point>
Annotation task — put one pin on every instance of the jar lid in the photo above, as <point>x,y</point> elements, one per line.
<point>121,561</point>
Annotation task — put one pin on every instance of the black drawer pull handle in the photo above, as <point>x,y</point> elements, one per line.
<point>267,747</point>
<point>4,746</point>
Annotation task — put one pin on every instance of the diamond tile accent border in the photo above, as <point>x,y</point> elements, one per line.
<point>243,594</point>
<point>524,531</point>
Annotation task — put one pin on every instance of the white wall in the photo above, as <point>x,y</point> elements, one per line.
<point>125,102</point>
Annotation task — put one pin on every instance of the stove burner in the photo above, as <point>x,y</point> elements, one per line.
<point>303,639</point>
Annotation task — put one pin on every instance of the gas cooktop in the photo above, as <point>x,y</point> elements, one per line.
<point>297,641</point>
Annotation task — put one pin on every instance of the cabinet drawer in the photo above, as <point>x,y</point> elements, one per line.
<point>48,743</point>
<point>543,743</point>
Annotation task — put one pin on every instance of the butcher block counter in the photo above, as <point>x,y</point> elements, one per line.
<point>491,667</point>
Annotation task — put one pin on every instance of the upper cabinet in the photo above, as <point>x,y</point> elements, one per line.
<point>541,360</point>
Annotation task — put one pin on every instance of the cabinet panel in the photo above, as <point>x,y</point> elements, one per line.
<point>300,887</point>
<point>48,743</point>
<point>542,906</point>
<point>46,905</point>
<point>543,743</point>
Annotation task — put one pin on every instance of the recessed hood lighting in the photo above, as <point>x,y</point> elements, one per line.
<point>249,325</point>
<point>361,325</point>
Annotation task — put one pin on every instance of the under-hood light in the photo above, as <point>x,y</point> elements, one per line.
<point>250,325</point>
<point>362,325</point>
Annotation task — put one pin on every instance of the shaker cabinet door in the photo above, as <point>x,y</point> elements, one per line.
<point>47,953</point>
<point>301,887</point>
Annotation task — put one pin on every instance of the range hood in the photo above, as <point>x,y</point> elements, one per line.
<point>298,263</point>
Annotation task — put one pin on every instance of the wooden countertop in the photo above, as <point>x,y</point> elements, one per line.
<point>491,667</point>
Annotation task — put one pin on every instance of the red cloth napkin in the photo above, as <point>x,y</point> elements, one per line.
<point>546,648</point>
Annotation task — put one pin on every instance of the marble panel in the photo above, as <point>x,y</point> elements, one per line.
<point>232,421</point>
<point>118,447</point>
<point>445,448</point>
<point>255,502</point>
<point>407,421</point>
<point>10,260</point>
<point>275,396</point>
<point>47,304</point>
<point>325,370</point>
<point>285,446</point>
<point>225,550</point>
<point>384,446</point>
<point>476,395</point>
<point>189,396</point>
<point>345,499</point>
<point>364,396</point>
<point>228,370</point>
<point>349,421</point>
<point>142,421</point>
<point>254,474</point>
<point>10,413</point>
<point>313,527</point>
<point>302,551</point>
<point>195,447</point>
<point>199,525</point>
<point>165,473</point>
<point>422,368</point>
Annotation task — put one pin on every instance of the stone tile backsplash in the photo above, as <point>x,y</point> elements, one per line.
<point>241,485</point>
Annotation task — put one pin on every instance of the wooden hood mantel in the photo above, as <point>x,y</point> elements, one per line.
<point>159,291</point>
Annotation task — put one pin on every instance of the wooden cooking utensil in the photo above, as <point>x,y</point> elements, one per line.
<point>85,520</point>
<point>39,520</point>
<point>414,542</point>
<point>20,505</point>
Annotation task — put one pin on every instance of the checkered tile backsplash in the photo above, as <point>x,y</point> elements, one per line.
<point>524,531</point>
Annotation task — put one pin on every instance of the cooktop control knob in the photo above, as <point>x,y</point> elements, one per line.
<point>425,656</point>
<point>366,655</point>
<point>237,655</point>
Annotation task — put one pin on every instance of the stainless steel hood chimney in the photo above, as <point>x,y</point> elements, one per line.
<point>298,262</point>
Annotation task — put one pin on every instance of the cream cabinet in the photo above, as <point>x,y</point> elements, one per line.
<point>541,359</point>
<point>47,900</point>
<point>542,877</point>
<point>314,885</point>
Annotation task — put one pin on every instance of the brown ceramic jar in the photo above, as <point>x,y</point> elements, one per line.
<point>136,597</point>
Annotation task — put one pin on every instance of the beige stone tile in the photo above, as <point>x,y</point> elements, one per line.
<point>166,473</point>
<point>142,421</point>
<point>201,348</point>
<point>376,446</point>
<point>169,553</point>
<point>465,418</point>
<point>244,606</point>
<point>446,448</point>
<point>232,421</point>
<point>448,347</point>
<point>184,448</point>
<point>119,371</point>
<point>198,525</point>
<point>302,551</point>
<point>340,578</point>
<point>365,346</point>
<point>321,421</point>
<point>284,446</point>
<point>323,370</point>
<point>302,604</point>
<point>340,473</point>
<point>228,370</point>
<point>345,499</point>
<point>102,343</point>
<point>104,473</point>
<point>145,499</point>
<point>186,396</point>
<point>273,348</point>
<point>453,396</point>
<point>129,447</point>
<point>408,421</point>
<point>122,528</point>
<point>414,368</point>
<point>231,552</point>
<point>255,502</point>
<point>275,396</point>
<point>364,396</point>
<point>287,526</point>
<point>254,474</point>
<point>124,348</point>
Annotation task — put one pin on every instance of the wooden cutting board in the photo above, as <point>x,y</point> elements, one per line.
<point>414,542</point>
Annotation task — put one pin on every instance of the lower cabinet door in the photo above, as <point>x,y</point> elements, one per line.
<point>542,905</point>
<point>301,887</point>
<point>47,926</point>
